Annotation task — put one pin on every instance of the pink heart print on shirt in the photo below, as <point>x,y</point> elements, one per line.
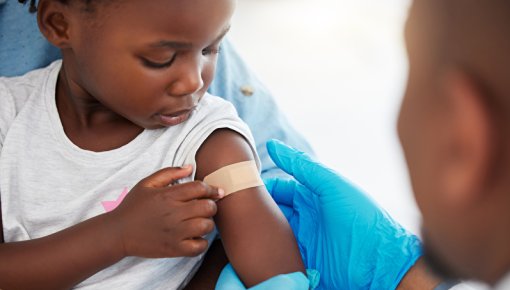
<point>111,205</point>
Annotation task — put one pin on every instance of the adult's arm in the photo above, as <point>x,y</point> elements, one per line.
<point>419,277</point>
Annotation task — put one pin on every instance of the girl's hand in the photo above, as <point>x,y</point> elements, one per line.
<point>157,219</point>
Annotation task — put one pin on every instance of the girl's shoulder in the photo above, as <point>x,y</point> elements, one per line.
<point>15,93</point>
<point>213,107</point>
<point>18,90</point>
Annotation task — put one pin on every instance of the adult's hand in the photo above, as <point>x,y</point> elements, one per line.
<point>341,232</point>
<point>229,280</point>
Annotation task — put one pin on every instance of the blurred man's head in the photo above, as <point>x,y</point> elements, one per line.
<point>455,130</point>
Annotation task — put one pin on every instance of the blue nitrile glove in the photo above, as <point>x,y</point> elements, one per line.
<point>341,232</point>
<point>230,281</point>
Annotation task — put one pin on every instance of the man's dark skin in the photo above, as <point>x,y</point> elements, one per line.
<point>455,132</point>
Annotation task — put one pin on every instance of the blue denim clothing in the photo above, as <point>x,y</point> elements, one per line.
<point>23,48</point>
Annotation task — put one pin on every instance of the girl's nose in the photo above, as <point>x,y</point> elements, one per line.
<point>187,79</point>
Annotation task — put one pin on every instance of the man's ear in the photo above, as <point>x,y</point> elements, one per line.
<point>53,21</point>
<point>469,155</point>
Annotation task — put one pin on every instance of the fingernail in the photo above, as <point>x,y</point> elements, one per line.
<point>188,166</point>
<point>221,192</point>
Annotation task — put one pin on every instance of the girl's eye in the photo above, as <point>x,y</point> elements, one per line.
<point>211,50</point>
<point>158,65</point>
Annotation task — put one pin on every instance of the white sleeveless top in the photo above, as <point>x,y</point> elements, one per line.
<point>48,184</point>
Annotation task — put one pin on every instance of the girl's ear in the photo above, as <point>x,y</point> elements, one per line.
<point>53,20</point>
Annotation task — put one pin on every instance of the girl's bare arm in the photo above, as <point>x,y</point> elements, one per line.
<point>58,261</point>
<point>256,236</point>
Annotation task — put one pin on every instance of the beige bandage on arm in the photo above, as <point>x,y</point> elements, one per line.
<point>235,177</point>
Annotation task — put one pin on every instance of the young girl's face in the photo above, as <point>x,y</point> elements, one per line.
<point>149,61</point>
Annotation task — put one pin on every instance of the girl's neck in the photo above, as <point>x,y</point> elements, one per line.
<point>88,123</point>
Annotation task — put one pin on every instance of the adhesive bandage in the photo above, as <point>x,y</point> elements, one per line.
<point>235,177</point>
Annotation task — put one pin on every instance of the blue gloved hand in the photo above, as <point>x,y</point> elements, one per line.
<point>230,281</point>
<point>341,232</point>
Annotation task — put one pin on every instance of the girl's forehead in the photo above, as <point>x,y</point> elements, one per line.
<point>177,20</point>
<point>169,14</point>
<point>178,9</point>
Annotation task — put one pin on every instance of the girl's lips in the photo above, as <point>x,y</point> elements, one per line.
<point>174,118</point>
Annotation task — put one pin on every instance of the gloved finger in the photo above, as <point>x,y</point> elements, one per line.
<point>281,190</point>
<point>315,176</point>
<point>294,281</point>
<point>229,280</point>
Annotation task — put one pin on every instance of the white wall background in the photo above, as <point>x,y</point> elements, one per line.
<point>338,70</point>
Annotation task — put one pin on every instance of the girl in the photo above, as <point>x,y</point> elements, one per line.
<point>128,99</point>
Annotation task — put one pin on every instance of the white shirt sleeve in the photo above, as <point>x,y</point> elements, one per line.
<point>7,111</point>
<point>14,94</point>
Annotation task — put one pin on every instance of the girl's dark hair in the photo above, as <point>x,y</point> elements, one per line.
<point>32,8</point>
<point>33,5</point>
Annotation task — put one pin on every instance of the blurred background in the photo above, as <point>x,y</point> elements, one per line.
<point>338,69</point>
